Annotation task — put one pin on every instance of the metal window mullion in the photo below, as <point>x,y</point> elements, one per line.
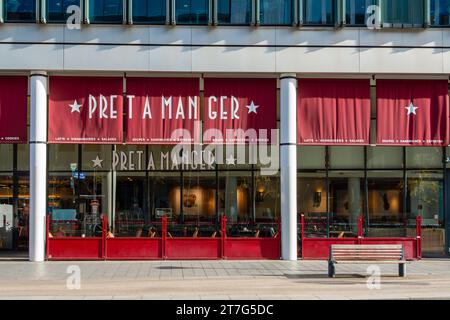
<point>2,20</point>
<point>295,12</point>
<point>38,10</point>
<point>300,12</point>
<point>129,12</point>
<point>210,12</point>
<point>86,12</point>
<point>124,11</point>
<point>173,20</point>
<point>168,11</point>
<point>257,12</point>
<point>337,13</point>
<point>426,13</point>
<point>215,20</point>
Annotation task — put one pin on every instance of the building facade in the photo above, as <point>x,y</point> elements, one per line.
<point>357,89</point>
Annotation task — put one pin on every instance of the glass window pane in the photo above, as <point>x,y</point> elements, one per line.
<point>63,157</point>
<point>192,11</point>
<point>57,9</point>
<point>237,12</point>
<point>318,12</point>
<point>23,211</point>
<point>199,196</point>
<point>424,157</point>
<point>106,11</point>
<point>347,157</point>
<point>311,157</point>
<point>402,12</point>
<point>311,193</point>
<point>23,157</point>
<point>440,12</point>
<point>235,196</point>
<point>151,12</point>
<point>267,198</point>
<point>165,194</point>
<point>7,219</point>
<point>6,152</point>
<point>96,157</point>
<point>384,157</point>
<point>276,12</point>
<point>20,10</point>
<point>355,11</point>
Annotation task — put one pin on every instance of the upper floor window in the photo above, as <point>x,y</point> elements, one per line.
<point>440,12</point>
<point>401,13</point>
<point>106,11</point>
<point>276,12</point>
<point>356,10</point>
<point>57,9</point>
<point>235,12</point>
<point>191,11</point>
<point>149,11</point>
<point>20,10</point>
<point>318,12</point>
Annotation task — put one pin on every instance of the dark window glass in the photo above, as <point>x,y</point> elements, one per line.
<point>57,9</point>
<point>234,11</point>
<point>355,11</point>
<point>20,10</point>
<point>146,11</point>
<point>398,13</point>
<point>318,12</point>
<point>276,12</point>
<point>106,11</point>
<point>191,11</point>
<point>440,12</point>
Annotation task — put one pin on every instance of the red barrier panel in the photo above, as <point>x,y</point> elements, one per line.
<point>193,248</point>
<point>252,248</point>
<point>319,248</point>
<point>75,248</point>
<point>133,248</point>
<point>409,245</point>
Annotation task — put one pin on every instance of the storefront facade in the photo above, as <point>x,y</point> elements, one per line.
<point>137,140</point>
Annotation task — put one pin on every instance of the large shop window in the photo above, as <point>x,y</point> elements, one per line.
<point>403,13</point>
<point>234,12</point>
<point>318,12</point>
<point>149,12</point>
<point>192,11</point>
<point>20,10</point>
<point>356,11</point>
<point>276,12</point>
<point>57,10</point>
<point>440,12</point>
<point>106,11</point>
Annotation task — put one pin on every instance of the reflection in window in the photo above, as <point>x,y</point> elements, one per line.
<point>276,12</point>
<point>20,10</point>
<point>355,11</point>
<point>106,11</point>
<point>235,12</point>
<point>199,203</point>
<point>235,196</point>
<point>165,194</point>
<point>318,12</point>
<point>440,12</point>
<point>57,9</point>
<point>7,213</point>
<point>192,11</point>
<point>398,13</point>
<point>151,12</point>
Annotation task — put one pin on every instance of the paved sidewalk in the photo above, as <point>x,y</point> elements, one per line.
<point>191,280</point>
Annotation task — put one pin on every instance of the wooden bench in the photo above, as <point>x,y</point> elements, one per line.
<point>367,254</point>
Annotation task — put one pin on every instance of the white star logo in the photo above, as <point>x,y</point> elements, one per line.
<point>252,107</point>
<point>75,107</point>
<point>97,163</point>
<point>411,109</point>
<point>231,160</point>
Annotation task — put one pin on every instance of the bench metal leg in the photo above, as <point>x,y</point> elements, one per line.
<point>402,270</point>
<point>331,269</point>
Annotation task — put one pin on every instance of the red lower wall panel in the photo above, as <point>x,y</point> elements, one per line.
<point>74,249</point>
<point>193,248</point>
<point>133,248</point>
<point>409,245</point>
<point>252,248</point>
<point>319,248</point>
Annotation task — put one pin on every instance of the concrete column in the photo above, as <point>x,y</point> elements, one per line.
<point>38,164</point>
<point>288,164</point>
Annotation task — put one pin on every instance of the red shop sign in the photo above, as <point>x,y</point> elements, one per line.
<point>333,112</point>
<point>13,109</point>
<point>163,110</point>
<point>85,110</point>
<point>239,110</point>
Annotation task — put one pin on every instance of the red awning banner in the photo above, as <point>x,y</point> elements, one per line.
<point>163,110</point>
<point>85,110</point>
<point>412,112</point>
<point>13,109</point>
<point>333,112</point>
<point>239,110</point>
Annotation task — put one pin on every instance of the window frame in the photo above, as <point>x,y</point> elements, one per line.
<point>338,13</point>
<point>3,13</point>
<point>428,17</point>
<point>87,15</point>
<point>44,14</point>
